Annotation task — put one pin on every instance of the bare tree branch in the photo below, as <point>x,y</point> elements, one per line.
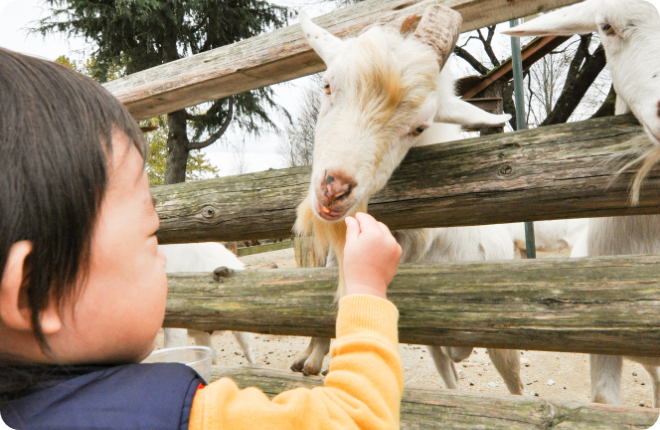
<point>577,84</point>
<point>488,47</point>
<point>476,65</point>
<point>215,136</point>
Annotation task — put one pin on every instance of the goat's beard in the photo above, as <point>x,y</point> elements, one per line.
<point>645,155</point>
<point>320,237</point>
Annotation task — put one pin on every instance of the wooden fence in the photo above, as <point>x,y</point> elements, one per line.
<point>284,54</point>
<point>605,305</point>
<point>563,171</point>
<point>456,410</point>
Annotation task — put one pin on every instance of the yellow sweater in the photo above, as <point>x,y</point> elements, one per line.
<point>362,390</point>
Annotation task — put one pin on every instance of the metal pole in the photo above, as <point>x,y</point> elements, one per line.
<point>521,121</point>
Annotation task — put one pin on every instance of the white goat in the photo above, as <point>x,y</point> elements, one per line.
<point>383,90</point>
<point>201,257</point>
<point>549,235</point>
<point>630,33</point>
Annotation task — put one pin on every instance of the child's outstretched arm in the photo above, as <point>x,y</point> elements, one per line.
<point>364,386</point>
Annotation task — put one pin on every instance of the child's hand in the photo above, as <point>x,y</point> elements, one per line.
<point>371,256</point>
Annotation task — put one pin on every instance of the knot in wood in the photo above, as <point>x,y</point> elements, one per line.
<point>208,212</point>
<point>222,272</point>
<point>552,302</point>
<point>506,170</point>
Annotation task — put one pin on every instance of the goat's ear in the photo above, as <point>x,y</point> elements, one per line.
<point>439,27</point>
<point>456,111</point>
<point>576,19</point>
<point>326,45</point>
<point>405,24</point>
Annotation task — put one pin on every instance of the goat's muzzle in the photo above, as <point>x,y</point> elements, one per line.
<point>333,195</point>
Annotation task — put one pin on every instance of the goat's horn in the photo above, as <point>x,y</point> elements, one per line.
<point>440,27</point>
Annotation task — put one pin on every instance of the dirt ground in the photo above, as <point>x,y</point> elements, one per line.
<point>549,375</point>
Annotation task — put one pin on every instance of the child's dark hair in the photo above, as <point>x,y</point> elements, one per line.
<point>55,138</point>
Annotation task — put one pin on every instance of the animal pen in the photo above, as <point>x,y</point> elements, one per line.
<point>597,305</point>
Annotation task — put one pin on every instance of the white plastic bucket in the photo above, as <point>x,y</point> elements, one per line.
<point>198,358</point>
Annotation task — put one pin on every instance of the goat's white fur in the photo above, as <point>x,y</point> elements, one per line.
<point>202,257</point>
<point>369,144</point>
<point>550,235</point>
<point>630,31</point>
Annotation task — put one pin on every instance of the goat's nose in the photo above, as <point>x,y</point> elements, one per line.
<point>337,186</point>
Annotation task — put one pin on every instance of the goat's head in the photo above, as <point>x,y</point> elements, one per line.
<point>630,33</point>
<point>382,91</point>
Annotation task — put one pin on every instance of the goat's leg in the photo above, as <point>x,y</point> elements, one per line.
<point>245,341</point>
<point>314,363</point>
<point>445,366</point>
<point>310,361</point>
<point>203,338</point>
<point>655,383</point>
<point>175,337</point>
<point>606,378</point>
<point>458,354</point>
<point>651,364</point>
<point>507,363</point>
<point>300,360</point>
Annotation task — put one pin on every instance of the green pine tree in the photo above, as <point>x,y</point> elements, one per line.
<point>198,166</point>
<point>134,35</point>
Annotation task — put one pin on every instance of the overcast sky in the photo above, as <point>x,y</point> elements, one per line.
<point>260,152</point>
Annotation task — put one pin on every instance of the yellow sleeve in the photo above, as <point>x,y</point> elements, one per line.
<point>362,390</point>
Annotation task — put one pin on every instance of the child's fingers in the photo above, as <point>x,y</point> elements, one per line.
<point>352,228</point>
<point>385,229</point>
<point>367,222</point>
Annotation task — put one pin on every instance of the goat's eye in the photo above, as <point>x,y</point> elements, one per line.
<point>327,89</point>
<point>608,29</point>
<point>419,130</point>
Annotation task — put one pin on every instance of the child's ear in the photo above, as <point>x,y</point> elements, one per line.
<point>15,312</point>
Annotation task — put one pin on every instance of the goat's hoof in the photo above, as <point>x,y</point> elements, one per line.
<point>297,367</point>
<point>310,370</point>
<point>325,372</point>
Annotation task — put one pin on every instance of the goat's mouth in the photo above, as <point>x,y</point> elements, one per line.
<point>327,213</point>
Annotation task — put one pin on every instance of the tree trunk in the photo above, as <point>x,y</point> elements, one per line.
<point>607,108</point>
<point>576,88</point>
<point>177,147</point>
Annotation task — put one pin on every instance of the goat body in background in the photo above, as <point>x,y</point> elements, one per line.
<point>201,257</point>
<point>383,90</point>
<point>630,33</point>
<point>550,236</point>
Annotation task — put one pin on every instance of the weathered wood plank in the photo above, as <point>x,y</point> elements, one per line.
<point>284,54</point>
<point>605,305</point>
<point>563,171</point>
<point>456,410</point>
<point>260,249</point>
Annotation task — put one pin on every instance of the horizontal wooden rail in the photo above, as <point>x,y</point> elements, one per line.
<point>284,54</point>
<point>448,409</point>
<point>260,249</point>
<point>563,171</point>
<point>604,305</point>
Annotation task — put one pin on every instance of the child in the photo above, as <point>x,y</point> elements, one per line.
<point>83,287</point>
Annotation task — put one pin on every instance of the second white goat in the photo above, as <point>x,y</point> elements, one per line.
<point>202,257</point>
<point>629,31</point>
